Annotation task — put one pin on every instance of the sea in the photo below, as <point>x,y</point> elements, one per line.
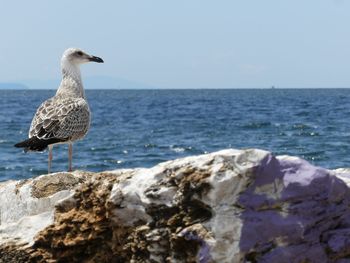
<point>141,128</point>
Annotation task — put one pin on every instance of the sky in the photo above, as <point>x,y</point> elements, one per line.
<point>182,43</point>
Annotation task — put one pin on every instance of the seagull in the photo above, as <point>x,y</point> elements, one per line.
<point>65,117</point>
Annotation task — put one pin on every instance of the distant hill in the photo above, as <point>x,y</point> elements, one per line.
<point>12,85</point>
<point>96,82</point>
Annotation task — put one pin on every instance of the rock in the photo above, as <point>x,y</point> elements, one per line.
<point>227,206</point>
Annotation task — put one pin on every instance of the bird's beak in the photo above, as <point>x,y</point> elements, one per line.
<point>95,59</point>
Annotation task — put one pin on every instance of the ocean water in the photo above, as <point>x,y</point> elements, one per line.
<point>140,128</point>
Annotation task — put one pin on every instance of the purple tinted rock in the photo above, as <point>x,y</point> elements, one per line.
<point>338,241</point>
<point>295,254</point>
<point>290,204</point>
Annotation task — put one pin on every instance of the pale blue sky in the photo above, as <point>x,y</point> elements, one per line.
<point>183,43</point>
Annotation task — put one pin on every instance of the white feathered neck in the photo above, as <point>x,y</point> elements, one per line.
<point>71,84</point>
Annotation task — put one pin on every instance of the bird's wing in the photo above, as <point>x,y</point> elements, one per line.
<point>65,119</point>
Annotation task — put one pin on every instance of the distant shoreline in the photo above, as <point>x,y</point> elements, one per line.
<point>164,89</point>
<point>13,86</point>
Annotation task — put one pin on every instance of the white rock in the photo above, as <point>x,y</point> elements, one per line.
<point>227,206</point>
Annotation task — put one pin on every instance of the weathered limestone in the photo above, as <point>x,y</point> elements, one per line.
<point>228,206</point>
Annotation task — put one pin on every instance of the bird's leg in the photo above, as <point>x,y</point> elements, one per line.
<point>70,154</point>
<point>50,158</point>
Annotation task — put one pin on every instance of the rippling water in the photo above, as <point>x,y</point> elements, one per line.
<point>134,128</point>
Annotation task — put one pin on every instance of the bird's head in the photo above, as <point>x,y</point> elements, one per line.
<point>77,56</point>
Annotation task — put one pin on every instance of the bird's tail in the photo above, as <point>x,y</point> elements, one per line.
<point>35,144</point>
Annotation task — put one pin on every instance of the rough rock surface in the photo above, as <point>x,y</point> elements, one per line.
<point>227,206</point>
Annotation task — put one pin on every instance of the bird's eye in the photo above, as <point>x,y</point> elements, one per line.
<point>79,53</point>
